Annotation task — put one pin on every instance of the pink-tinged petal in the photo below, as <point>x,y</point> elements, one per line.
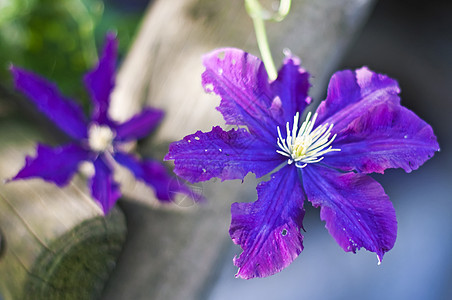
<point>65,113</point>
<point>139,125</point>
<point>268,230</point>
<point>103,187</point>
<point>355,208</point>
<point>386,136</point>
<point>156,176</point>
<point>226,155</point>
<point>57,164</point>
<point>100,81</point>
<point>240,79</point>
<point>352,93</point>
<point>291,90</point>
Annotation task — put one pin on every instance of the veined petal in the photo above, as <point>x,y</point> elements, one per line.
<point>355,208</point>
<point>226,155</point>
<point>290,90</point>
<point>268,230</point>
<point>100,81</point>
<point>57,164</point>
<point>139,125</point>
<point>156,176</point>
<point>103,187</point>
<point>240,79</point>
<point>350,94</point>
<point>66,114</point>
<point>386,136</point>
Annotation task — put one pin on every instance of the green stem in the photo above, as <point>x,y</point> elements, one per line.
<point>264,48</point>
<point>258,14</point>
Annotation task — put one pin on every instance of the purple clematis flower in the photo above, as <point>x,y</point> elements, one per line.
<point>97,140</point>
<point>322,157</point>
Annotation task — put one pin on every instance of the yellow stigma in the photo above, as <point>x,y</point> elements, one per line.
<point>100,138</point>
<point>305,144</point>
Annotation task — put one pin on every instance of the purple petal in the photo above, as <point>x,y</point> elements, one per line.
<point>57,164</point>
<point>291,88</point>
<point>156,176</point>
<point>66,114</point>
<point>103,187</point>
<point>240,79</point>
<point>386,136</point>
<point>101,80</point>
<point>350,94</point>
<point>268,230</point>
<point>139,125</point>
<point>226,155</point>
<point>355,208</point>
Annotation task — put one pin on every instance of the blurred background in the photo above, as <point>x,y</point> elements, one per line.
<point>408,40</point>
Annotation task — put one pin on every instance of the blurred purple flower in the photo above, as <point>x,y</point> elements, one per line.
<point>360,128</point>
<point>97,140</point>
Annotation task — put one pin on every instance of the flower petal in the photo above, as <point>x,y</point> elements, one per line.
<point>355,208</point>
<point>139,125</point>
<point>103,187</point>
<point>101,80</point>
<point>268,230</point>
<point>226,155</point>
<point>57,164</point>
<point>66,114</point>
<point>240,79</point>
<point>386,136</point>
<point>156,176</point>
<point>350,94</point>
<point>291,88</point>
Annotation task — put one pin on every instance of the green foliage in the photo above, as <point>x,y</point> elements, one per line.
<point>58,39</point>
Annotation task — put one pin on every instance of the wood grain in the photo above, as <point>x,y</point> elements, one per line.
<point>56,244</point>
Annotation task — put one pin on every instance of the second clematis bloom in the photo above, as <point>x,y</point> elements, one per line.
<point>323,156</point>
<point>98,140</point>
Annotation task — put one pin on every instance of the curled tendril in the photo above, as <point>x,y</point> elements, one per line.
<point>256,10</point>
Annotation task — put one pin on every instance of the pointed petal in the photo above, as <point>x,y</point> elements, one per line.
<point>291,88</point>
<point>139,125</point>
<point>156,176</point>
<point>268,230</point>
<point>386,136</point>
<point>57,164</point>
<point>226,155</point>
<point>103,187</point>
<point>66,114</point>
<point>240,79</point>
<point>352,93</point>
<point>100,81</point>
<point>355,208</point>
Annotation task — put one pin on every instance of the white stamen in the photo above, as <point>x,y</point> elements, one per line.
<point>100,138</point>
<point>304,145</point>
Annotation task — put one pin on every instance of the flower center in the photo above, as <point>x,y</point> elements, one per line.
<point>100,138</point>
<point>303,145</point>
